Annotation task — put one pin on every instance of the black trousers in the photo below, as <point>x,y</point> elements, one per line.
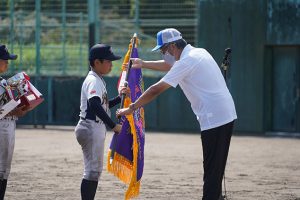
<point>215,144</point>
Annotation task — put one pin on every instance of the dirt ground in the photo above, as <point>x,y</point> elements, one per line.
<point>47,165</point>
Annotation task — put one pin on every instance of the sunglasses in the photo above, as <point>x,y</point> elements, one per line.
<point>164,48</point>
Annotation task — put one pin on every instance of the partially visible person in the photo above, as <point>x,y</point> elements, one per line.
<point>201,80</point>
<point>7,126</point>
<point>94,115</point>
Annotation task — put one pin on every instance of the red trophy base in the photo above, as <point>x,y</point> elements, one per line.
<point>32,98</point>
<point>30,101</point>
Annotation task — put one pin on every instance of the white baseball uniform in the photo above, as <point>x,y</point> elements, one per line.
<point>90,130</point>
<point>7,143</point>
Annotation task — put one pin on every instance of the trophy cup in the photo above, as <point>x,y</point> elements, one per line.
<point>25,91</point>
<point>7,100</point>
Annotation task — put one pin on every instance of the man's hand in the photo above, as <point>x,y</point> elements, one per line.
<point>137,63</point>
<point>19,111</point>
<point>124,111</point>
<point>117,128</point>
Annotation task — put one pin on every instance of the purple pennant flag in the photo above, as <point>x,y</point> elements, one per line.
<point>127,147</point>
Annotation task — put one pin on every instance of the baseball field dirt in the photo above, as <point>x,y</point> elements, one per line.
<point>47,165</point>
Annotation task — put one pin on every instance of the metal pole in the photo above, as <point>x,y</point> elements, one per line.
<point>21,38</point>
<point>81,40</point>
<point>197,27</point>
<point>137,16</point>
<point>63,35</point>
<point>37,48</point>
<point>97,21</point>
<point>50,112</point>
<point>37,36</point>
<point>12,33</point>
<point>91,16</point>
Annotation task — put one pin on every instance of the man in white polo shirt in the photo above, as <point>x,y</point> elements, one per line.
<point>201,80</point>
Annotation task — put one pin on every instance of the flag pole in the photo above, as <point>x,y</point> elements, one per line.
<point>133,40</point>
<point>115,136</point>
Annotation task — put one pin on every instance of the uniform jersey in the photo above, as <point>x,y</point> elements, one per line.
<point>201,80</point>
<point>90,130</point>
<point>93,85</point>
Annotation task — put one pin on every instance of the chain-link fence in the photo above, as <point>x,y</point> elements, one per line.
<point>52,37</point>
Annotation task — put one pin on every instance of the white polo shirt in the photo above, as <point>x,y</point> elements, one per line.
<point>202,82</point>
<point>93,85</point>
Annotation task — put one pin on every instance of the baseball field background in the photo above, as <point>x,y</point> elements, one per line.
<point>52,39</point>
<point>47,165</point>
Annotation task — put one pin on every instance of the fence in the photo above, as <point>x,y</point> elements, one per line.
<point>52,37</point>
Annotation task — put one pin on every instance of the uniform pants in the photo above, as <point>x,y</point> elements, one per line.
<point>215,144</point>
<point>7,143</point>
<point>91,136</point>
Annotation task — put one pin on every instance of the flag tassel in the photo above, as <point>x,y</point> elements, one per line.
<point>120,167</point>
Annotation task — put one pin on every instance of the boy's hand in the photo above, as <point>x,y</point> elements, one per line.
<point>19,111</point>
<point>125,90</point>
<point>117,128</point>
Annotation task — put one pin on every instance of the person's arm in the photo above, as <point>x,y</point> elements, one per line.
<point>117,99</point>
<point>114,101</point>
<point>151,93</point>
<point>159,65</point>
<point>95,103</point>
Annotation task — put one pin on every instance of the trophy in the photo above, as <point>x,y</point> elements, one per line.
<point>25,91</point>
<point>7,100</point>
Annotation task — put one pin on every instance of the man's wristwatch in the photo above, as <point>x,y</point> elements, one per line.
<point>132,106</point>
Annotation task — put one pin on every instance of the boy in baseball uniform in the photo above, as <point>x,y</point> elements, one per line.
<point>95,116</point>
<point>7,127</point>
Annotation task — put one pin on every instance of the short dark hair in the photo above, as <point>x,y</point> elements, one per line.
<point>180,44</point>
<point>92,62</point>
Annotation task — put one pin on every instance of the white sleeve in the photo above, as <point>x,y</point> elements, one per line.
<point>93,89</point>
<point>177,72</point>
